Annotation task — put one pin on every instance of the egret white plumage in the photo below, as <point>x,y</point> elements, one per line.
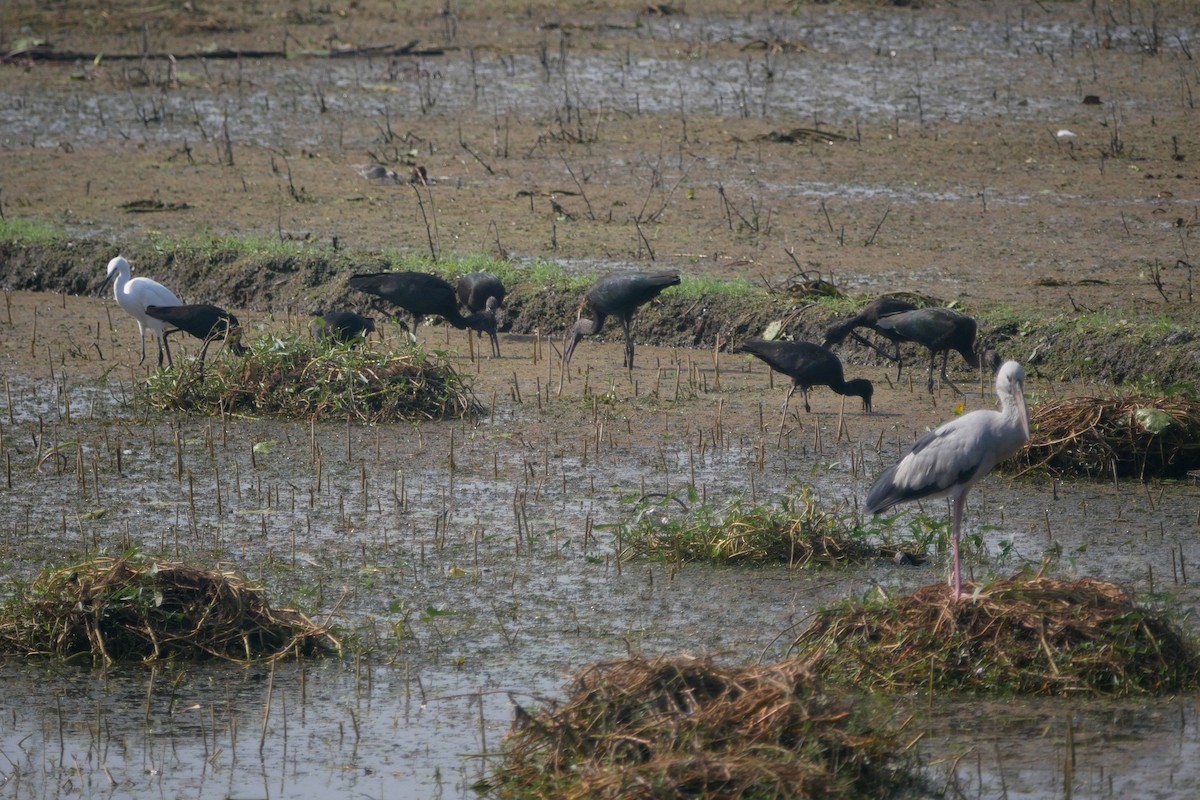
<point>133,295</point>
<point>948,461</point>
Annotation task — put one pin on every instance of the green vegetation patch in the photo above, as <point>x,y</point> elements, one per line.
<point>1020,635</point>
<point>1137,436</point>
<point>797,532</point>
<point>144,609</point>
<point>686,727</point>
<point>295,379</point>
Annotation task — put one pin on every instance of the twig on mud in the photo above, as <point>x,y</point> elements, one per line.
<point>582,193</point>
<point>430,226</point>
<point>474,155</point>
<point>875,232</point>
<point>645,241</point>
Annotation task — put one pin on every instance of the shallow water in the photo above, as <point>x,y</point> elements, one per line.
<point>493,582</point>
<point>468,610</point>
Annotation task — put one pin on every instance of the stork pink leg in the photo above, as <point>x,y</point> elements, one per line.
<point>957,514</point>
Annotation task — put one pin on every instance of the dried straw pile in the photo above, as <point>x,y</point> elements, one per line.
<point>1138,436</point>
<point>293,379</point>
<point>686,727</point>
<point>1021,636</point>
<point>124,609</point>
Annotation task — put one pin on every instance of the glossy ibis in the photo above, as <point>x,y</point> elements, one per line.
<point>869,318</point>
<point>206,322</point>
<point>940,330</point>
<point>475,288</point>
<point>422,294</point>
<point>808,365</point>
<point>618,295</point>
<point>346,327</point>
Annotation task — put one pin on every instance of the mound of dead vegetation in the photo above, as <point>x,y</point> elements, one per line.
<point>294,379</point>
<point>1019,635</point>
<point>1137,436</point>
<point>686,727</point>
<point>142,609</point>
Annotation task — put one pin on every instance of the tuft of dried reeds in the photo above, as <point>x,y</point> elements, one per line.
<point>1020,635</point>
<point>1138,436</point>
<point>687,727</point>
<point>145,609</point>
<point>295,379</point>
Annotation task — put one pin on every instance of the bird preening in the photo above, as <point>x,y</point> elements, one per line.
<point>133,295</point>
<point>948,461</point>
<point>617,295</point>
<point>422,294</point>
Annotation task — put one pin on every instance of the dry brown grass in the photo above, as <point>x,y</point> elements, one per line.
<point>1138,436</point>
<point>1018,636</point>
<point>145,609</point>
<point>687,727</point>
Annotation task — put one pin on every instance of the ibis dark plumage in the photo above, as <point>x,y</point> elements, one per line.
<point>949,460</point>
<point>207,323</point>
<point>618,295</point>
<point>133,295</point>
<point>940,330</point>
<point>808,365</point>
<point>422,294</point>
<point>869,318</point>
<point>475,288</point>
<point>346,327</point>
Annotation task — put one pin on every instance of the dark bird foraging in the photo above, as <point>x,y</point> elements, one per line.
<point>948,461</point>
<point>808,365</point>
<point>133,295</point>
<point>618,295</point>
<point>422,294</point>
<point>475,288</point>
<point>205,322</point>
<point>940,330</point>
<point>346,327</point>
<point>869,318</point>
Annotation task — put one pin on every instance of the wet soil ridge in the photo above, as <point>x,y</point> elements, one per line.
<point>144,609</point>
<point>1018,635</point>
<point>1064,347</point>
<point>689,727</point>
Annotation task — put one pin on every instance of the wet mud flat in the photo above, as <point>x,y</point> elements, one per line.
<point>476,562</point>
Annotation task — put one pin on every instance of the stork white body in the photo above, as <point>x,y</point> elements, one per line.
<point>948,461</point>
<point>134,294</point>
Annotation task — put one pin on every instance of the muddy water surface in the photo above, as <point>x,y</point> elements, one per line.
<point>473,588</point>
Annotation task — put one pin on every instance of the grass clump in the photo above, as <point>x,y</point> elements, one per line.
<point>143,609</point>
<point>1137,436</point>
<point>1021,635</point>
<point>797,533</point>
<point>686,727</point>
<point>296,379</point>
